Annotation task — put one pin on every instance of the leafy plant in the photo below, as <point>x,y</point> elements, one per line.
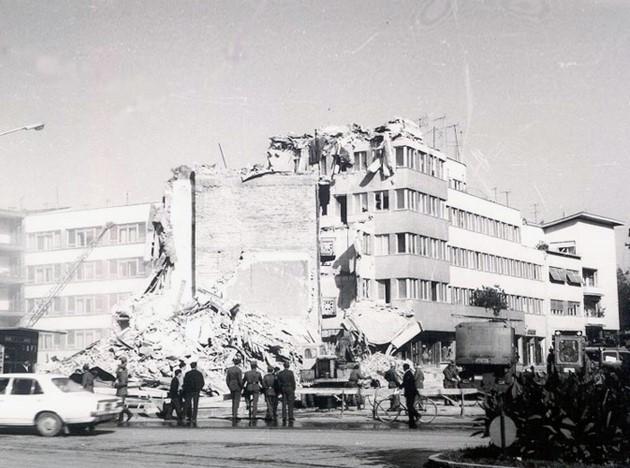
<point>568,418</point>
<point>493,298</point>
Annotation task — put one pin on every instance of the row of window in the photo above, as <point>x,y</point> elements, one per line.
<point>82,237</point>
<point>567,308</point>
<point>406,156</point>
<point>403,288</point>
<point>493,264</point>
<point>71,339</point>
<point>408,199</point>
<point>458,185</point>
<point>118,268</point>
<point>417,160</point>
<point>86,304</point>
<point>560,275</point>
<point>530,305</point>
<point>477,223</point>
<point>405,243</point>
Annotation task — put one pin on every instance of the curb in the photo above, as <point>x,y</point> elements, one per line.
<point>436,460</point>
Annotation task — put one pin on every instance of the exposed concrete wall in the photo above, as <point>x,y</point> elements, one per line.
<point>257,242</point>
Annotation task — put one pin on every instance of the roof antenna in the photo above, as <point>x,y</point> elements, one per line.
<point>222,156</point>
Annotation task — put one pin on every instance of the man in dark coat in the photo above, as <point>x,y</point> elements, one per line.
<point>252,385</point>
<point>193,384</point>
<point>286,382</point>
<point>409,390</point>
<point>121,383</point>
<point>393,382</point>
<point>87,379</point>
<point>175,395</point>
<point>234,382</point>
<point>270,384</point>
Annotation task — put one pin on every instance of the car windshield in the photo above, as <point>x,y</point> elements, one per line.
<point>67,385</point>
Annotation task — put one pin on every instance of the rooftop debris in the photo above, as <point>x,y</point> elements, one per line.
<point>333,148</point>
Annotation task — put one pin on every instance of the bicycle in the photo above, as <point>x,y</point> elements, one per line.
<point>385,410</point>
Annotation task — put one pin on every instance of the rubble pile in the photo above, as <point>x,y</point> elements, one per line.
<point>207,331</point>
<point>375,366</point>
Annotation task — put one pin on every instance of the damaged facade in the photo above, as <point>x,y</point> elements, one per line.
<point>397,226</point>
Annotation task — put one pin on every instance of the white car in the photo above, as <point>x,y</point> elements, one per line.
<point>49,402</point>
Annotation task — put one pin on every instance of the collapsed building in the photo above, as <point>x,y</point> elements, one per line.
<point>347,241</point>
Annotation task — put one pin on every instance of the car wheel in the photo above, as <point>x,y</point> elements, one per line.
<point>48,424</point>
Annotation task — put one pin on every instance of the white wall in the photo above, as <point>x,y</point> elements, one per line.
<point>595,243</point>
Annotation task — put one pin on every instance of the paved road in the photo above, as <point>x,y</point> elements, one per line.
<point>159,447</point>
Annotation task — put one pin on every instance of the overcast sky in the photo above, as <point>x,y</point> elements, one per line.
<point>129,89</point>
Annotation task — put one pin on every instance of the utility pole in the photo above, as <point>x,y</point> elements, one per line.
<point>535,213</point>
<point>507,196</point>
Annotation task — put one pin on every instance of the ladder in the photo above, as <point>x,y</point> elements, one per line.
<point>39,310</point>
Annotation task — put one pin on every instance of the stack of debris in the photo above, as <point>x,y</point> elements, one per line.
<point>207,331</point>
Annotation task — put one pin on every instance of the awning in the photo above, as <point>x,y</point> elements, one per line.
<point>574,277</point>
<point>557,274</point>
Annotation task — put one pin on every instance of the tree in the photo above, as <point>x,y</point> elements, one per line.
<point>623,294</point>
<point>493,298</point>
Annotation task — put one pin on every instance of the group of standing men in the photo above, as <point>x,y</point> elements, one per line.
<point>184,394</point>
<point>185,389</point>
<point>275,384</point>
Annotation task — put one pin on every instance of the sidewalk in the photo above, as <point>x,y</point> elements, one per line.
<point>219,416</point>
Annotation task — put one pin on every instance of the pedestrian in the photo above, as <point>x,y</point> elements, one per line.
<point>286,382</point>
<point>409,390</point>
<point>87,379</point>
<point>24,368</point>
<point>175,394</point>
<point>551,361</point>
<point>355,383</point>
<point>391,376</point>
<point>121,384</point>
<point>270,385</point>
<point>234,382</point>
<point>252,385</point>
<point>425,355</point>
<point>451,380</point>
<point>193,384</point>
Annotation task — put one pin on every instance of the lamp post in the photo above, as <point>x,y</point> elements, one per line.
<point>37,127</point>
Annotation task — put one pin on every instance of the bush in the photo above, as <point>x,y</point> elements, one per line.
<point>569,418</point>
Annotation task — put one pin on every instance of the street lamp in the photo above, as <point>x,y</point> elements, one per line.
<point>37,127</point>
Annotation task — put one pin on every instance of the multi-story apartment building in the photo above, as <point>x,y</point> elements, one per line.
<point>11,273</point>
<point>418,240</point>
<point>115,269</point>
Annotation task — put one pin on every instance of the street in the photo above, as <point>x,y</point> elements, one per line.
<point>230,447</point>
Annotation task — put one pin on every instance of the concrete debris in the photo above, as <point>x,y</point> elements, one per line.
<point>208,331</point>
<point>375,366</point>
<point>382,324</point>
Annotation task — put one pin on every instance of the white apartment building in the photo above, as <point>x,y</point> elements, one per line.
<point>11,273</point>
<point>115,269</point>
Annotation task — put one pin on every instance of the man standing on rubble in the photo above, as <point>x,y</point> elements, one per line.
<point>121,383</point>
<point>286,382</point>
<point>234,382</point>
<point>410,390</point>
<point>270,384</point>
<point>193,384</point>
<point>252,384</point>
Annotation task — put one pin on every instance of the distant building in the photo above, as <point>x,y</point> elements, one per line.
<point>11,271</point>
<point>114,270</point>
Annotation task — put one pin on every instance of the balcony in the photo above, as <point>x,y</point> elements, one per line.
<point>9,247</point>
<point>590,290</point>
<point>9,278</point>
